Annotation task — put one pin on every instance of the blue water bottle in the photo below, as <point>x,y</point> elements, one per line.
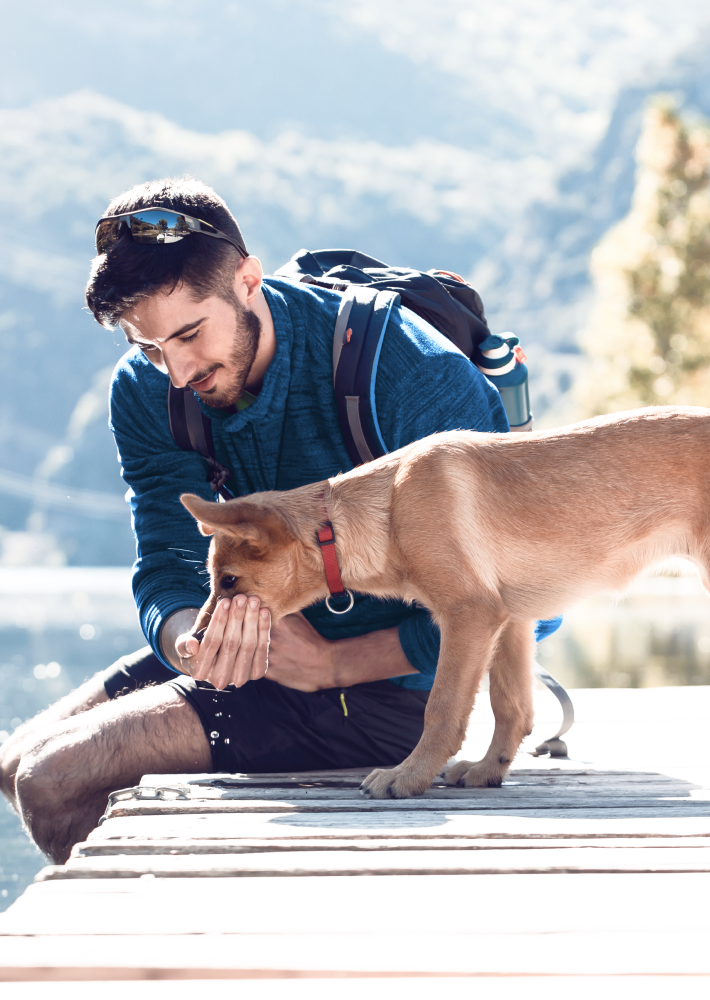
<point>501,360</point>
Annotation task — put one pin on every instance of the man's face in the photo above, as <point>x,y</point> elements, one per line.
<point>208,345</point>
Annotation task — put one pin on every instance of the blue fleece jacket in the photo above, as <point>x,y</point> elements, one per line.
<point>288,437</point>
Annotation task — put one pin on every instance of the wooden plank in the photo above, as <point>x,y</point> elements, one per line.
<point>411,862</point>
<point>212,847</point>
<point>481,799</point>
<point>470,904</point>
<point>662,787</point>
<point>358,956</point>
<point>557,806</point>
<point>513,925</point>
<point>465,798</point>
<point>353,777</point>
<point>277,826</point>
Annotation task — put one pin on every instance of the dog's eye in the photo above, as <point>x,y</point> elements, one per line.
<point>227,582</point>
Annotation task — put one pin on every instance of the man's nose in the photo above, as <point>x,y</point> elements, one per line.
<point>180,370</point>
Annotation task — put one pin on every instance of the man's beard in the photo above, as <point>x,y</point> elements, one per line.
<point>247,334</point>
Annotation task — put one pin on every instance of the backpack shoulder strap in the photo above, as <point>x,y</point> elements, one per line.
<point>192,431</point>
<point>190,428</point>
<point>357,342</point>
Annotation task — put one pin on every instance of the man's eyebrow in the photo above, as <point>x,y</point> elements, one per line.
<point>177,333</point>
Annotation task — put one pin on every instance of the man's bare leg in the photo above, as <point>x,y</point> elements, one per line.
<point>63,782</point>
<point>88,695</point>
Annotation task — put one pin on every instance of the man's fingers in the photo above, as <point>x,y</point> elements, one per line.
<point>241,672</point>
<point>235,647</point>
<point>231,642</point>
<point>201,667</point>
<point>260,663</point>
<point>186,645</point>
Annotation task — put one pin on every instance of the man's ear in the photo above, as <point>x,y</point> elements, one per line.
<point>242,520</point>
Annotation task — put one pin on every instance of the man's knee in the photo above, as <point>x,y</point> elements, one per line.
<point>51,794</point>
<point>84,698</point>
<point>46,778</point>
<point>64,778</point>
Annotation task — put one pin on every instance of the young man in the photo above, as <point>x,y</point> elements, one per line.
<point>341,690</point>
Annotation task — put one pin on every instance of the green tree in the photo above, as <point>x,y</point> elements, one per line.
<point>649,336</point>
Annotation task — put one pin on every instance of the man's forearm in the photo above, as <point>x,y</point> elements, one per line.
<point>376,656</point>
<point>178,623</point>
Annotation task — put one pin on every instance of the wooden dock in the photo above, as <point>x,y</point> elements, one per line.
<point>572,869</point>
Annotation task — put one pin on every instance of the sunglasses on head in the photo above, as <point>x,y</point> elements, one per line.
<point>155,225</point>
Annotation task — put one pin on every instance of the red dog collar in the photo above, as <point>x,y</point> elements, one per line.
<point>326,540</point>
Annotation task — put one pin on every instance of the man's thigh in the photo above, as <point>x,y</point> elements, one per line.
<point>129,673</point>
<point>117,742</point>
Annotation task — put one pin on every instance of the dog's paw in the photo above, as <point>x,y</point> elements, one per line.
<point>465,774</point>
<point>393,783</point>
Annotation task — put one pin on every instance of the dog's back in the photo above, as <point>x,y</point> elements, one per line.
<point>558,514</point>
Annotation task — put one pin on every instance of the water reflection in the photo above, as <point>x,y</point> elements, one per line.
<point>657,635</point>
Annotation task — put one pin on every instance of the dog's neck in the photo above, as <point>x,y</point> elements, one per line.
<point>358,506</point>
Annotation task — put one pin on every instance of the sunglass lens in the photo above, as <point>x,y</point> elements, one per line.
<point>156,226</point>
<point>107,234</point>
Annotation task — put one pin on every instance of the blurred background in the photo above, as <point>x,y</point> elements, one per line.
<point>555,154</point>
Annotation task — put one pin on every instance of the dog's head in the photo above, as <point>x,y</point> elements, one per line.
<point>254,551</point>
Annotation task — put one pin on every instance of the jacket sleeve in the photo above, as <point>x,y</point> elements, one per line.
<point>169,572</point>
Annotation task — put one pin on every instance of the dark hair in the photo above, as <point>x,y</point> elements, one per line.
<point>131,271</point>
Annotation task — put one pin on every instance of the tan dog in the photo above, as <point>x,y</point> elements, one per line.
<point>488,531</point>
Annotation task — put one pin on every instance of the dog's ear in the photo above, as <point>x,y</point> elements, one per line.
<point>245,521</point>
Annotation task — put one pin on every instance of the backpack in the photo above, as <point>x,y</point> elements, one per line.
<point>370,290</point>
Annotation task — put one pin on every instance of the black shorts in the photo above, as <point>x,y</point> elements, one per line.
<point>265,727</point>
<point>135,670</point>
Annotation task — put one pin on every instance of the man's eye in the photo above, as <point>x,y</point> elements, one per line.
<point>227,582</point>
<point>186,340</point>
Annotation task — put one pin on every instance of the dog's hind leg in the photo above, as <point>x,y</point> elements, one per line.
<point>511,689</point>
<point>468,640</point>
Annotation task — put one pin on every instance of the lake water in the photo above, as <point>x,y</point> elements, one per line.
<point>59,626</point>
<point>79,620</point>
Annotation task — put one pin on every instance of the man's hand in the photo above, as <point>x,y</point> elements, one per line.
<point>299,657</point>
<point>235,647</point>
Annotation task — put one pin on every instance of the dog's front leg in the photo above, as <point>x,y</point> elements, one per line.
<point>512,704</point>
<point>468,639</point>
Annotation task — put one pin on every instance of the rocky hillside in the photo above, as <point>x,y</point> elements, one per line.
<point>496,142</point>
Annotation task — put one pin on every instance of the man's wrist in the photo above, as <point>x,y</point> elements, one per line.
<point>178,623</point>
<point>370,657</point>
<point>330,663</point>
